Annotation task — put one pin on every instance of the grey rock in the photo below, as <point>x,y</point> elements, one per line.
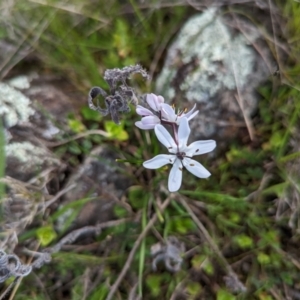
<point>102,179</point>
<point>206,64</point>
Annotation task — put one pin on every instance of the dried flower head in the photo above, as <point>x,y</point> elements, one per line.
<point>120,93</point>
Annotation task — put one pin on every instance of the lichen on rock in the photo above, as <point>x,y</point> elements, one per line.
<point>30,155</point>
<point>207,60</point>
<point>14,106</point>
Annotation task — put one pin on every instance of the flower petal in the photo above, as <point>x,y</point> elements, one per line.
<point>191,114</point>
<point>195,168</point>
<point>154,101</point>
<point>142,111</point>
<point>140,125</point>
<point>168,112</point>
<point>183,133</point>
<point>160,99</point>
<point>150,120</point>
<point>200,147</point>
<point>159,161</point>
<point>165,138</point>
<point>175,176</point>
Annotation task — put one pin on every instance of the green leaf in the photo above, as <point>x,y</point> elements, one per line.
<point>76,125</point>
<point>99,293</point>
<point>90,115</point>
<point>197,261</point>
<point>243,241</point>
<point>122,39</point>
<point>208,267</point>
<point>74,148</point>
<point>137,197</point>
<point>263,258</point>
<point>182,225</point>
<point>193,288</point>
<point>277,189</point>
<point>153,282</point>
<point>46,235</point>
<point>116,131</point>
<point>120,211</point>
<point>224,295</point>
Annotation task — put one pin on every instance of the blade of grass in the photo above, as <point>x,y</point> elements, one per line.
<point>142,253</point>
<point>134,249</point>
<point>2,163</point>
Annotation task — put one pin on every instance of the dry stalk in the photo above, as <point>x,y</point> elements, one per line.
<point>134,249</point>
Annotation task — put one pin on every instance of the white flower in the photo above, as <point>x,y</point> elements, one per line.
<point>168,114</point>
<point>181,154</point>
<point>162,112</point>
<point>149,119</point>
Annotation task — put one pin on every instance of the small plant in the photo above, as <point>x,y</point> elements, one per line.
<point>120,93</point>
<point>158,116</point>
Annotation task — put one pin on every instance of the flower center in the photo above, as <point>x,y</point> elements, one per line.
<point>180,155</point>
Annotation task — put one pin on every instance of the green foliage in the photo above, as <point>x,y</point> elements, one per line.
<point>69,212</point>
<point>181,225</point>
<point>76,125</point>
<point>46,235</point>
<point>99,293</point>
<point>225,295</point>
<point>263,258</point>
<point>153,282</point>
<point>120,211</point>
<point>193,289</point>
<point>2,163</point>
<point>90,115</point>
<point>116,132</point>
<point>137,197</point>
<point>243,241</point>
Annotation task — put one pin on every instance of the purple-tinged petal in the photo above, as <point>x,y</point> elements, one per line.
<point>154,101</point>
<point>165,138</point>
<point>183,133</point>
<point>195,168</point>
<point>140,125</point>
<point>175,176</point>
<point>150,120</point>
<point>168,112</point>
<point>160,99</point>
<point>142,111</point>
<point>158,161</point>
<point>200,147</point>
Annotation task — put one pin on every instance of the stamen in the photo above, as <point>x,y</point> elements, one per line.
<point>180,155</point>
<point>180,169</point>
<point>196,150</point>
<point>192,165</point>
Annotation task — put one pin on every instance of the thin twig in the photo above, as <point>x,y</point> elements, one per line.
<point>222,260</point>
<point>275,43</point>
<point>76,137</point>
<point>73,235</point>
<point>239,97</point>
<point>8,289</point>
<point>134,249</point>
<point>18,280</point>
<point>58,195</point>
<point>71,9</point>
